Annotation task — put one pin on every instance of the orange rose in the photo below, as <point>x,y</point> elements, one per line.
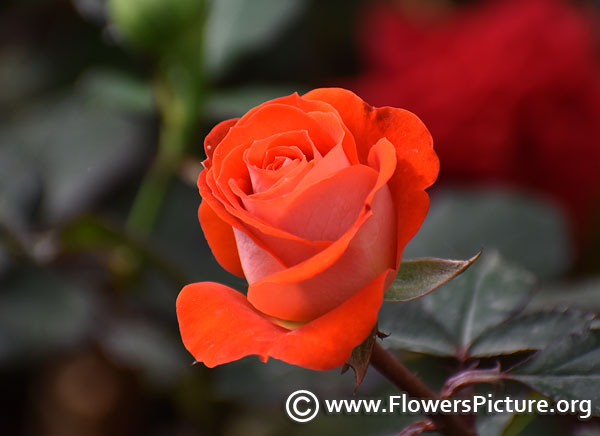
<point>312,199</point>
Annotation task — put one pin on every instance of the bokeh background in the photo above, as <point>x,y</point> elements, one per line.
<point>103,110</point>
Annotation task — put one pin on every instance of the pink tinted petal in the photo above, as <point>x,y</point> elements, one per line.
<point>371,250</point>
<point>298,138</point>
<point>289,210</point>
<point>285,185</point>
<point>318,283</point>
<point>270,120</point>
<point>288,249</point>
<point>299,179</point>
<point>263,179</point>
<point>232,217</point>
<point>319,212</point>
<point>331,163</point>
<point>237,211</point>
<point>257,262</point>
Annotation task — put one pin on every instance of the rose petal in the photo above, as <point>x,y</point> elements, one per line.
<point>288,211</point>
<point>237,215</point>
<point>288,248</point>
<point>302,292</point>
<point>291,249</point>
<point>368,124</point>
<point>317,169</point>
<point>327,257</point>
<point>224,212</point>
<point>263,179</point>
<point>258,262</point>
<point>271,120</point>
<point>333,124</point>
<point>209,186</point>
<point>298,138</point>
<point>331,163</point>
<point>259,232</point>
<point>214,137</point>
<point>319,213</point>
<point>330,283</point>
<point>310,106</point>
<point>328,341</point>
<point>218,325</point>
<point>220,238</point>
<point>418,165</point>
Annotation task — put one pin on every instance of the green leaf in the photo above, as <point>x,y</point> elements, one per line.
<point>448,321</point>
<point>482,297</point>
<point>419,277</point>
<point>412,327</point>
<point>529,332</point>
<point>524,229</point>
<point>584,294</point>
<point>234,27</point>
<point>566,370</point>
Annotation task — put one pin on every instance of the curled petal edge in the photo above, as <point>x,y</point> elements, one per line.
<point>218,325</point>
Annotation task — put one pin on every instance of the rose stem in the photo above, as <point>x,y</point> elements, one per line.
<point>390,367</point>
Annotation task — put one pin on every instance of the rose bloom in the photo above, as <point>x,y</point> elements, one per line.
<point>510,89</point>
<point>312,199</point>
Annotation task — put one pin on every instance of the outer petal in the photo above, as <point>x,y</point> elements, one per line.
<point>221,239</point>
<point>218,325</point>
<point>368,124</point>
<point>418,165</point>
<point>215,136</point>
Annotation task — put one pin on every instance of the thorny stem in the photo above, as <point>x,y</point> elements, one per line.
<point>390,367</point>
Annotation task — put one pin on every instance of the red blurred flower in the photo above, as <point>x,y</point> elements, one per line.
<point>510,89</point>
